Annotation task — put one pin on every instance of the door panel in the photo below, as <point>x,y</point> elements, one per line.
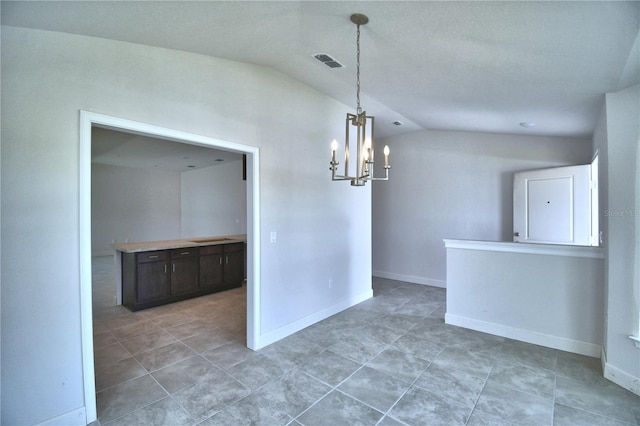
<point>550,209</point>
<point>552,206</point>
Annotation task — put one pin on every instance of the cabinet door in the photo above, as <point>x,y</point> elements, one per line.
<point>152,281</point>
<point>211,261</point>
<point>184,271</point>
<point>211,272</point>
<point>233,265</point>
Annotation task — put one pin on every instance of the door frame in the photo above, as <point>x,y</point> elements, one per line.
<point>91,119</point>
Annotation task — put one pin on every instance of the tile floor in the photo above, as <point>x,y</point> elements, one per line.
<point>388,361</point>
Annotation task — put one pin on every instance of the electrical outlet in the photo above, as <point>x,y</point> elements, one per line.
<point>274,237</point>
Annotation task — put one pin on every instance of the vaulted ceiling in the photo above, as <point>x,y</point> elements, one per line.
<point>452,65</point>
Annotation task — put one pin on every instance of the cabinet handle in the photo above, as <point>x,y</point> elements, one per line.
<point>226,259</point>
<point>155,256</point>
<point>165,268</point>
<point>173,267</point>
<point>221,260</point>
<point>184,253</point>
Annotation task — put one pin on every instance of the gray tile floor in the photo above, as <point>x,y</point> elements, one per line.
<point>388,361</point>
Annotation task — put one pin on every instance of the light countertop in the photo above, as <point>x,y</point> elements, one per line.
<point>181,243</point>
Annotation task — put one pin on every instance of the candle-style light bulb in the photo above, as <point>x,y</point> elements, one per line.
<point>368,150</point>
<point>386,155</point>
<point>334,148</point>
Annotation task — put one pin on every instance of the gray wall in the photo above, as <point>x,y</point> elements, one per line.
<point>616,138</point>
<point>545,295</point>
<point>453,185</point>
<point>130,205</point>
<point>47,78</point>
<point>213,201</point>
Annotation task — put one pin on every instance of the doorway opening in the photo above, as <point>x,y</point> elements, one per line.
<point>90,120</point>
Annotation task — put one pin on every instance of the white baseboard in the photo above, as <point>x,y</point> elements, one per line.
<point>282,332</point>
<point>529,336</point>
<point>72,418</point>
<point>620,377</point>
<point>410,279</point>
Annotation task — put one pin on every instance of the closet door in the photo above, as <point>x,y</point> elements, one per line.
<point>552,206</point>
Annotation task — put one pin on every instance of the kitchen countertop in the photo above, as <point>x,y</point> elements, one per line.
<point>181,243</point>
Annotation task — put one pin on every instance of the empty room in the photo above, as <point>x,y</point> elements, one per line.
<point>320,212</point>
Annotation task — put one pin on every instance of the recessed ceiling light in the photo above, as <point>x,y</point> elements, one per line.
<point>191,167</point>
<point>527,124</point>
<point>398,123</point>
<point>219,159</point>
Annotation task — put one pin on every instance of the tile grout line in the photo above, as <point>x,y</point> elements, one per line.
<point>486,380</point>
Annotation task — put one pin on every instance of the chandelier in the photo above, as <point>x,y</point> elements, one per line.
<point>358,126</point>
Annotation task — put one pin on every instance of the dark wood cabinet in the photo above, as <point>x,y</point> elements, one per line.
<point>211,268</point>
<point>158,277</point>
<point>152,277</point>
<point>184,271</point>
<point>233,265</point>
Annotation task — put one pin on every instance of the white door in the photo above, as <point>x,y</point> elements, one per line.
<point>552,206</point>
<point>595,203</point>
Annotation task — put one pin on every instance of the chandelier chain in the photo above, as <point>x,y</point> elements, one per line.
<point>359,109</point>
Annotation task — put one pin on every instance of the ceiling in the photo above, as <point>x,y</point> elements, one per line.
<point>470,66</point>
<point>114,148</point>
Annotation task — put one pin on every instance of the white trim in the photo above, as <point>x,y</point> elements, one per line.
<point>86,309</point>
<point>410,279</point>
<point>89,119</point>
<point>289,329</point>
<point>72,418</point>
<point>547,340</point>
<point>621,378</point>
<point>529,248</point>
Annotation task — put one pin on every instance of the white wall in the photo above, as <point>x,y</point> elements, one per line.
<point>213,201</point>
<point>130,205</point>
<point>541,294</point>
<point>617,138</point>
<point>453,185</point>
<point>47,78</point>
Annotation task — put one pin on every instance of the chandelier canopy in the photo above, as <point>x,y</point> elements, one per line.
<point>358,127</point>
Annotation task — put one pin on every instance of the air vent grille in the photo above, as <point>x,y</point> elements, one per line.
<point>328,60</point>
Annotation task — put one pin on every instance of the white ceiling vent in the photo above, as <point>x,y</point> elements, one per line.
<point>328,60</point>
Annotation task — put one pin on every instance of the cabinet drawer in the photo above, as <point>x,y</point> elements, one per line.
<point>228,248</point>
<point>217,249</point>
<point>184,252</point>
<point>151,256</point>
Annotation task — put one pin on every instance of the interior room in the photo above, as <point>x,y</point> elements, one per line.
<point>417,298</point>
